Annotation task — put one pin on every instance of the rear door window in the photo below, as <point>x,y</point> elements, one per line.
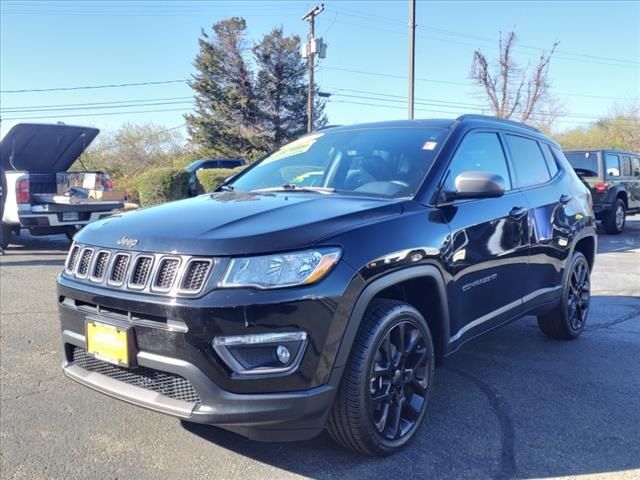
<point>551,161</point>
<point>612,165</point>
<point>481,152</point>
<point>528,161</point>
<point>626,166</point>
<point>635,166</point>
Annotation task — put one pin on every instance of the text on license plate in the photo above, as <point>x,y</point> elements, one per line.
<point>70,216</point>
<point>108,343</point>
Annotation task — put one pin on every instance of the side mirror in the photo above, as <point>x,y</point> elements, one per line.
<point>472,184</point>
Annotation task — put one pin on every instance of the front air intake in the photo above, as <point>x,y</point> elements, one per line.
<point>166,274</point>
<point>100,267</point>
<point>72,258</point>
<point>84,262</point>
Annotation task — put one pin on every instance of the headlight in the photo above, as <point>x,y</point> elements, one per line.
<point>281,270</point>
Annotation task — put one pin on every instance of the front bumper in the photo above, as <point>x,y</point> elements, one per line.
<point>283,416</point>
<point>174,335</point>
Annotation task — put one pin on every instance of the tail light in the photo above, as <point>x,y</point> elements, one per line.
<point>107,184</point>
<point>22,191</point>
<point>601,187</point>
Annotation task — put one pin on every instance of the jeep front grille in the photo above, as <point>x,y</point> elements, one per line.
<point>197,272</point>
<point>119,268</point>
<point>166,274</point>
<point>153,273</point>
<point>73,258</point>
<point>141,272</point>
<point>85,261</point>
<point>164,383</point>
<point>100,267</point>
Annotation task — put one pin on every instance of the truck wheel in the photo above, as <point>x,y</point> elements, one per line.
<point>71,231</point>
<point>567,321</point>
<point>614,222</point>
<point>5,235</point>
<point>383,395</point>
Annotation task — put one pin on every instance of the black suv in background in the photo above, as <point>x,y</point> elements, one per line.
<point>208,163</point>
<point>320,286</point>
<point>613,177</point>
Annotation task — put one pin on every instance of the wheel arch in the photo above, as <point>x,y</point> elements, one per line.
<point>407,276</point>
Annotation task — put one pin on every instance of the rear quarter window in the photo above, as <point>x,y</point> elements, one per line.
<point>551,161</point>
<point>612,165</point>
<point>529,162</point>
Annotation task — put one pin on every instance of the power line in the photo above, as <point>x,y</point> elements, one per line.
<point>45,107</point>
<point>101,114</point>
<point>100,107</point>
<point>91,87</point>
<point>369,16</point>
<point>449,82</point>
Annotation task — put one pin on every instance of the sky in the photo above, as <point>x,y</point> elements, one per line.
<point>47,45</point>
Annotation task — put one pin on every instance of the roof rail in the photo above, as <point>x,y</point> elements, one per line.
<point>468,116</point>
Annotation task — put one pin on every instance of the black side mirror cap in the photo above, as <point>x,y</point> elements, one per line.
<point>474,184</point>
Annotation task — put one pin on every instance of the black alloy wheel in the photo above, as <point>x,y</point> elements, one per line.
<point>383,396</point>
<point>579,296</point>
<point>567,320</point>
<point>399,381</point>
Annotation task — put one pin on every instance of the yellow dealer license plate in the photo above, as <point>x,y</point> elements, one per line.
<point>108,343</point>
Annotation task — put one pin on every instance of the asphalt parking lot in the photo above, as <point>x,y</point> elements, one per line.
<point>512,404</point>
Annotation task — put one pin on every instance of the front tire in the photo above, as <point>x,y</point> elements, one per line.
<point>568,319</point>
<point>383,396</point>
<point>614,222</point>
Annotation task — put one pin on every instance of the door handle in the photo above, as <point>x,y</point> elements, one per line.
<point>517,213</point>
<point>564,199</point>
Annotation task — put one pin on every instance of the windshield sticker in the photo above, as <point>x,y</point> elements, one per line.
<point>429,145</point>
<point>294,148</point>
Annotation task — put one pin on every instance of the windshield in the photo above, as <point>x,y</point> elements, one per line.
<point>585,163</point>
<point>388,162</point>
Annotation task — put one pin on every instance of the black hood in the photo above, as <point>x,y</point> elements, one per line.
<point>44,148</point>
<point>238,223</point>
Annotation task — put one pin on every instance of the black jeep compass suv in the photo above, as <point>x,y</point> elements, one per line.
<point>320,286</point>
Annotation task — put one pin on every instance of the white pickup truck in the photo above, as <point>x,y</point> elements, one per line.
<point>33,156</point>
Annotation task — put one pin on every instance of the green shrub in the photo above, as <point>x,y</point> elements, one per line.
<point>160,185</point>
<point>211,178</point>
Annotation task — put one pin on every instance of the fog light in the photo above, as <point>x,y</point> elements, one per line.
<point>265,353</point>
<point>283,354</point>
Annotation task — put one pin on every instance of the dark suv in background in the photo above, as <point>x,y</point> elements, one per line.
<point>320,286</point>
<point>613,177</point>
<point>209,163</point>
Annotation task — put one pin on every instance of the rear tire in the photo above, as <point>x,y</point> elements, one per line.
<point>615,220</point>
<point>383,395</point>
<point>568,319</point>
<point>5,235</point>
<point>71,232</point>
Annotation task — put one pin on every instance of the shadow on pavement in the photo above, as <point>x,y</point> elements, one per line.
<point>627,241</point>
<point>37,245</point>
<point>512,403</point>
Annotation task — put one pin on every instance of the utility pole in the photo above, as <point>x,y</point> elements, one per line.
<point>412,55</point>
<point>311,51</point>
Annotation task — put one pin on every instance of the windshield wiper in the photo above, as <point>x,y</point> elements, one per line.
<point>290,187</point>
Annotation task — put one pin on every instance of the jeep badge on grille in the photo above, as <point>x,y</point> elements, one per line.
<point>127,242</point>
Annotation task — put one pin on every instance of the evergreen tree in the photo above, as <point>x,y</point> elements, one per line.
<point>241,114</point>
<point>281,89</point>
<point>225,119</point>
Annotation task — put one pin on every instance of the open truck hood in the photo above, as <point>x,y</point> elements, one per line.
<point>44,148</point>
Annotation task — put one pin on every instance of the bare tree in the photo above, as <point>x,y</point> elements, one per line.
<point>511,91</point>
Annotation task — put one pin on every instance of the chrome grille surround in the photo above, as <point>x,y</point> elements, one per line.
<point>99,268</point>
<point>118,270</point>
<point>140,272</point>
<point>72,258</point>
<point>166,275</point>
<point>150,273</point>
<point>84,263</point>
<point>195,275</point>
